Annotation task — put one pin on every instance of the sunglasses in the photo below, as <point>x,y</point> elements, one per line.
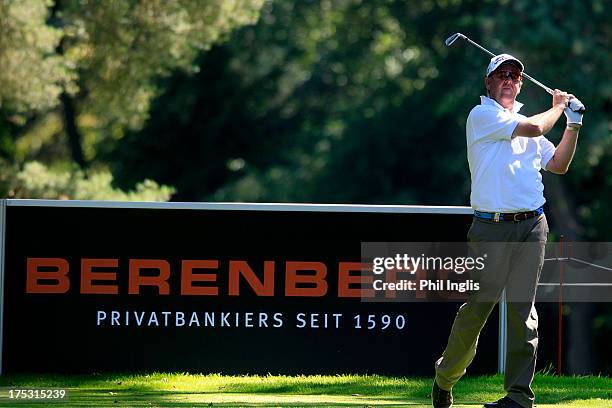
<point>503,75</point>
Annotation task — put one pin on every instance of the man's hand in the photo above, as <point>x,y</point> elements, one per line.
<point>576,105</point>
<point>564,152</point>
<point>574,119</point>
<point>560,99</point>
<point>574,112</point>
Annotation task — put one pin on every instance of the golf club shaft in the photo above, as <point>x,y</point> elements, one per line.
<point>538,83</point>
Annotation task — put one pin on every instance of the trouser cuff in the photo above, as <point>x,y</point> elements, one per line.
<point>520,399</point>
<point>442,383</point>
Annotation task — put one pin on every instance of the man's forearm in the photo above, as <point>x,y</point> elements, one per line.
<point>546,120</point>
<point>539,124</point>
<point>564,153</point>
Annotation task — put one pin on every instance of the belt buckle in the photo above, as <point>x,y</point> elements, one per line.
<point>496,217</point>
<point>514,217</point>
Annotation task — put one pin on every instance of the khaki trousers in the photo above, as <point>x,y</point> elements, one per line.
<point>515,255</point>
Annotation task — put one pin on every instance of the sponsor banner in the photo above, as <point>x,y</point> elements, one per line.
<point>229,289</point>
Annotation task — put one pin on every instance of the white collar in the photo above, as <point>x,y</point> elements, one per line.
<point>485,100</point>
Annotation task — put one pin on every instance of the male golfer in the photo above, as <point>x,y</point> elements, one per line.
<point>506,152</point>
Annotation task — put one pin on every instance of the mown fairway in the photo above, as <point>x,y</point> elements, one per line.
<point>186,390</point>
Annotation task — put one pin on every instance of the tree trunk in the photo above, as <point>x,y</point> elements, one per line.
<point>68,109</point>
<point>72,131</point>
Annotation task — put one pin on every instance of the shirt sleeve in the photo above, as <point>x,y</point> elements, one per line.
<point>491,124</point>
<point>547,150</point>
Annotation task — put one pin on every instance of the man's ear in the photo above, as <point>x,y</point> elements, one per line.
<point>486,84</point>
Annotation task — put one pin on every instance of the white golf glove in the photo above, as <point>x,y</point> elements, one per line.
<point>574,112</point>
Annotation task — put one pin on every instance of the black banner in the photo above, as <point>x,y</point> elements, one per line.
<point>216,290</point>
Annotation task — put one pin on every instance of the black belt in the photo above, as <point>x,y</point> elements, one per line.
<point>498,217</point>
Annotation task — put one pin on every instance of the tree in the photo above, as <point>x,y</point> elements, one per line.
<point>101,60</point>
<point>32,75</point>
<point>274,112</point>
<point>87,70</point>
<point>35,180</point>
<point>121,48</point>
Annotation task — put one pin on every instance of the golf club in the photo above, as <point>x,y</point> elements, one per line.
<point>574,105</point>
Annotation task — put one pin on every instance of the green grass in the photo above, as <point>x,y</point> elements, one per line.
<point>187,390</point>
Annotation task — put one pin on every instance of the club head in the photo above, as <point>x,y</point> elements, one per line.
<point>450,40</point>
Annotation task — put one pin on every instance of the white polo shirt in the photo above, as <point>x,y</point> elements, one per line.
<point>505,171</point>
